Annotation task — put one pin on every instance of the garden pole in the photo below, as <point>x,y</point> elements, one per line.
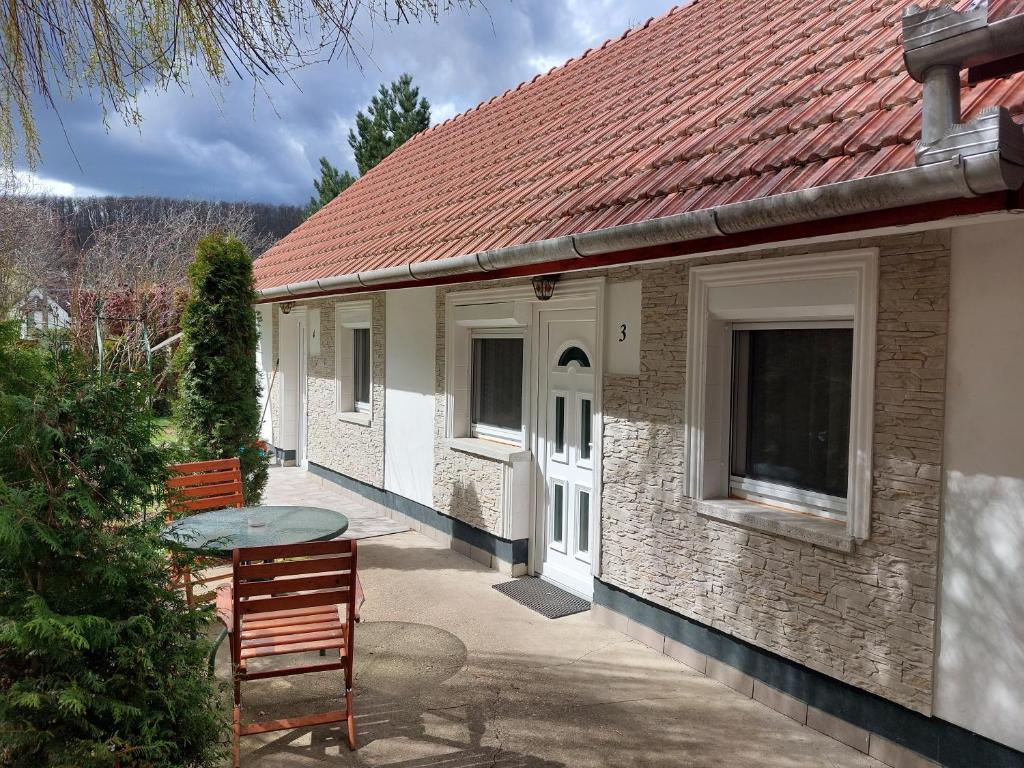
<point>99,335</point>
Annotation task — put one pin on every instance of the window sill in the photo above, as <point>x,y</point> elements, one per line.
<point>488,449</point>
<point>828,534</point>
<point>355,417</point>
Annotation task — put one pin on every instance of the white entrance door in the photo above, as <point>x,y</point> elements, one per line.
<point>300,393</point>
<point>566,424</point>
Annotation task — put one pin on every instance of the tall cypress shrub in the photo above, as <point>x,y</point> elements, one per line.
<point>218,407</point>
<point>102,665</point>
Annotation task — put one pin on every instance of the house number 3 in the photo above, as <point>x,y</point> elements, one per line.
<point>622,333</point>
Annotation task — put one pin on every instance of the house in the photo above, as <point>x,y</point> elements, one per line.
<point>39,312</point>
<point>718,325</point>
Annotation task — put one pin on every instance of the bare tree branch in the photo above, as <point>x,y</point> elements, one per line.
<point>113,49</point>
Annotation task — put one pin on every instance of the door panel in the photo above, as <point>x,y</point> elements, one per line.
<point>565,530</point>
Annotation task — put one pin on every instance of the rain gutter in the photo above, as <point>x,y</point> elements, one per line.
<point>958,177</point>
<point>954,161</point>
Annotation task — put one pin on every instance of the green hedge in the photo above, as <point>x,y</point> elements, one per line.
<point>218,407</point>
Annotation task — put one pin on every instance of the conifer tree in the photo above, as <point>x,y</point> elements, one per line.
<point>394,116</point>
<point>330,184</point>
<point>102,665</point>
<point>218,408</point>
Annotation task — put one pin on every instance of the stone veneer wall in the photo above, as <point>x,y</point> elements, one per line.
<point>466,487</point>
<point>867,618</point>
<point>352,449</point>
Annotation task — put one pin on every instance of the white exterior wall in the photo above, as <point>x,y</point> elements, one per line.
<point>287,383</point>
<point>265,367</point>
<point>980,664</point>
<point>409,393</point>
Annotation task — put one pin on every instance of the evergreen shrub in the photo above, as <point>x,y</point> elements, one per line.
<point>101,663</point>
<point>218,407</point>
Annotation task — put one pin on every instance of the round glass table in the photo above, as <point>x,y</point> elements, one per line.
<point>217,533</point>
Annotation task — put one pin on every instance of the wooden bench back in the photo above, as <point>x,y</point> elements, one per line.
<point>199,486</point>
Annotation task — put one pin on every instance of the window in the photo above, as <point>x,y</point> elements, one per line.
<point>487,354</point>
<point>497,388</point>
<point>354,361</point>
<point>560,426</point>
<point>574,355</point>
<point>582,522</point>
<point>791,415</point>
<point>558,513</point>
<point>780,399</point>
<point>361,368</point>
<point>586,430</point>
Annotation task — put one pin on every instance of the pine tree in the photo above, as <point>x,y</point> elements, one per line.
<point>331,184</point>
<point>394,116</point>
<point>101,664</point>
<point>218,408</point>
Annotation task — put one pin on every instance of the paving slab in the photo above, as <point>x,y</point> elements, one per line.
<point>452,674</point>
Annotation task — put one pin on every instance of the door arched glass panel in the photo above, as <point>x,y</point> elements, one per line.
<point>573,355</point>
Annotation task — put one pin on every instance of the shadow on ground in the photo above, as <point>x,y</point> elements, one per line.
<point>449,673</point>
<point>406,716</point>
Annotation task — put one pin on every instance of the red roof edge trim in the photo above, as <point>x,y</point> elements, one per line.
<point>863,222</point>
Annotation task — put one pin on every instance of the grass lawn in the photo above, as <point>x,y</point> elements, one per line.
<point>166,431</point>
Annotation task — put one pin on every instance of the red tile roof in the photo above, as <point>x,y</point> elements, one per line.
<point>716,102</point>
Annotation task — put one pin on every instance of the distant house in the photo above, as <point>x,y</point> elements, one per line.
<point>720,326</point>
<point>40,312</point>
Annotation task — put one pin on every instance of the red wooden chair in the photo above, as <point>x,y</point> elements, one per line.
<point>280,604</point>
<point>201,486</point>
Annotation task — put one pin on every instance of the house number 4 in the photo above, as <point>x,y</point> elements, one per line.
<point>622,333</point>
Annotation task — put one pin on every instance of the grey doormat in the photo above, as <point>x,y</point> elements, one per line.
<point>543,597</point>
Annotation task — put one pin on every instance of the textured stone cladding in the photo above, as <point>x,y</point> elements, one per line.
<point>356,450</point>
<point>466,486</point>
<point>867,618</point>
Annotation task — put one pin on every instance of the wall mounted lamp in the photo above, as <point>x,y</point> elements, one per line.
<point>544,286</point>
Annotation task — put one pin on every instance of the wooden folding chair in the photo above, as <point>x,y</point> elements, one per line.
<point>288,599</point>
<point>201,486</point>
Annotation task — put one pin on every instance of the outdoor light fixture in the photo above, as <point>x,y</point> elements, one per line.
<point>287,307</point>
<point>544,286</point>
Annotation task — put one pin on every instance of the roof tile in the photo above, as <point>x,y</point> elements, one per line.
<point>712,103</point>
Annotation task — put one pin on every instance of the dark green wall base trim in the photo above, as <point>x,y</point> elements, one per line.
<point>514,551</point>
<point>936,739</point>
<point>282,454</point>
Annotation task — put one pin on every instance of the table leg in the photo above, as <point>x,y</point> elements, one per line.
<point>213,651</point>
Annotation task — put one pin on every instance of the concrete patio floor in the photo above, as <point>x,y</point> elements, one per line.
<point>452,674</point>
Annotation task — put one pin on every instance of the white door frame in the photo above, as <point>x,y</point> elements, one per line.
<point>294,362</point>
<point>301,391</point>
<point>586,294</point>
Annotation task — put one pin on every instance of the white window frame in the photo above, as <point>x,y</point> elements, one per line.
<point>584,463</point>
<point>489,431</point>
<point>348,317</point>
<point>820,288</point>
<point>360,406</point>
<point>560,545</point>
<point>780,494</point>
<point>562,457</point>
<point>578,489</point>
<point>493,314</point>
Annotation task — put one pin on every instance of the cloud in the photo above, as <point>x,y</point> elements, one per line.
<point>238,143</point>
<point>29,183</point>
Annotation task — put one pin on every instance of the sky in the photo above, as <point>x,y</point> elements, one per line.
<point>234,143</point>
